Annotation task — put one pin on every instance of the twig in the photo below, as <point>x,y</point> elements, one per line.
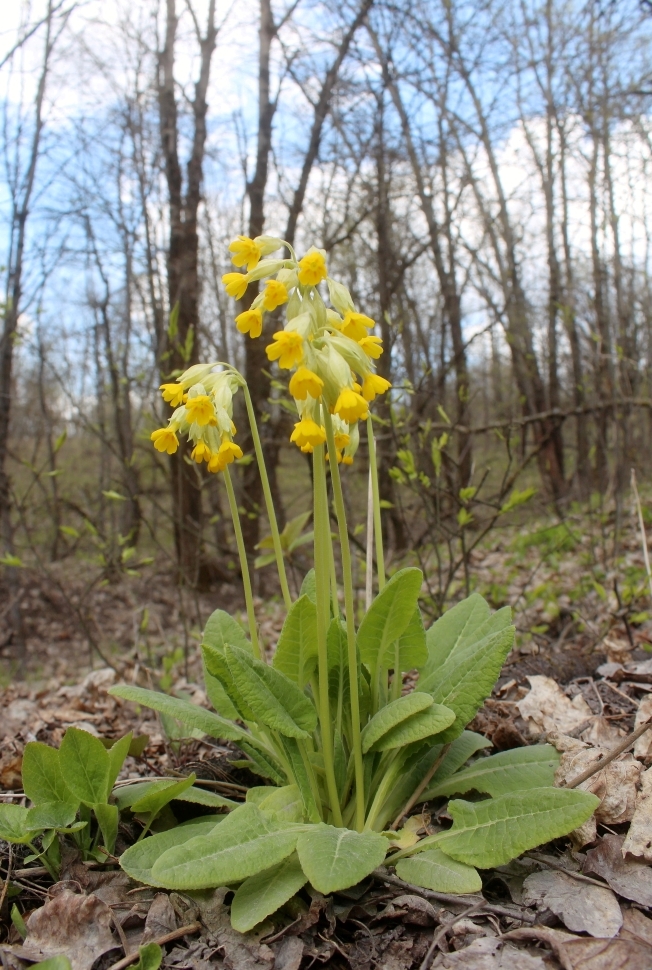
<point>443,929</point>
<point>420,787</point>
<point>641,523</point>
<point>599,765</point>
<point>382,875</point>
<point>580,877</point>
<point>5,888</point>
<point>160,941</point>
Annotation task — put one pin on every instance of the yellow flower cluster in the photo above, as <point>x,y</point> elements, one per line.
<point>203,403</point>
<point>331,350</point>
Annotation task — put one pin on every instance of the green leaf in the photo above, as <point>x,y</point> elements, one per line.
<point>515,770</point>
<point>300,773</point>
<point>86,766</point>
<point>296,651</point>
<point>138,860</point>
<point>391,715</point>
<point>51,815</point>
<point>456,623</point>
<point>461,749</point>
<point>412,644</point>
<point>246,843</point>
<point>107,818</point>
<point>117,754</point>
<point>18,921</point>
<point>60,962</point>
<point>216,693</point>
<point>278,702</point>
<point>309,586</point>
<point>222,630</point>
<point>14,823</point>
<point>215,663</point>
<point>156,798</point>
<point>388,617</point>
<point>424,724</point>
<point>335,859</point>
<point>127,796</point>
<point>264,893</point>
<point>42,776</point>
<point>285,803</point>
<point>433,869</point>
<point>149,957</point>
<point>464,682</point>
<point>211,724</point>
<point>261,764</point>
<point>492,832</point>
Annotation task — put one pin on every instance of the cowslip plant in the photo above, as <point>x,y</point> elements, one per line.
<point>344,751</point>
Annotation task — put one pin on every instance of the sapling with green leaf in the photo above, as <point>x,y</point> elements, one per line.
<point>344,750</point>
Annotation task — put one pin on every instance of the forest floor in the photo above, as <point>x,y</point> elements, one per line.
<point>580,676</point>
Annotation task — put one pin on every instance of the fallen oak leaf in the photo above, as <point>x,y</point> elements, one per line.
<point>582,953</point>
<point>582,907</point>
<point>629,878</point>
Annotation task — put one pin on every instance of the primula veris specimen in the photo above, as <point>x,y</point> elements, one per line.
<point>345,755</point>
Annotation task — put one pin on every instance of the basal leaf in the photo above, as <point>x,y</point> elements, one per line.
<point>388,617</point>
<point>261,764</point>
<point>107,818</point>
<point>51,815</point>
<point>424,724</point>
<point>416,763</point>
<point>43,779</point>
<point>222,630</point>
<point>514,770</point>
<point>117,754</point>
<point>412,650</point>
<point>309,586</point>
<point>264,893</point>
<point>334,859</point>
<point>461,749</point>
<point>216,666</point>
<point>138,860</point>
<point>154,799</point>
<point>285,803</point>
<point>126,796</point>
<point>149,957</point>
<point>493,831</point>
<point>85,765</point>
<point>211,724</point>
<point>302,778</point>
<point>454,625</point>
<point>246,843</point>
<point>433,869</point>
<point>15,824</point>
<point>392,714</point>
<point>296,651</point>
<point>216,693</point>
<point>278,702</point>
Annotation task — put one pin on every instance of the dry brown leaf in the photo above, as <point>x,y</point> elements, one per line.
<point>581,953</point>
<point>580,906</point>
<point>411,909</point>
<point>638,840</point>
<point>289,954</point>
<point>629,878</point>
<point>75,926</point>
<point>643,746</point>
<point>546,707</point>
<point>491,954</point>
<point>10,771</point>
<point>161,918</point>
<point>636,927</point>
<point>241,951</point>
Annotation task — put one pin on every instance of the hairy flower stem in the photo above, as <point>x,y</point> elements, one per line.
<point>378,529</point>
<point>269,504</point>
<point>244,565</point>
<point>347,581</point>
<point>322,585</point>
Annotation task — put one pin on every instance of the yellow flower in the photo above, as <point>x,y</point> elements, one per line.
<point>355,325</point>
<point>304,382</point>
<point>341,440</point>
<point>200,410</point>
<point>307,433</point>
<point>351,406</point>
<point>372,346</point>
<point>374,384</point>
<point>245,250</point>
<point>312,268</point>
<point>236,284</point>
<point>347,460</point>
<point>251,322</point>
<point>173,394</point>
<point>228,453</point>
<point>201,452</point>
<point>275,294</point>
<point>288,349</point>
<point>165,440</point>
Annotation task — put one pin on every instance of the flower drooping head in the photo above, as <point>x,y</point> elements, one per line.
<point>312,268</point>
<point>246,251</point>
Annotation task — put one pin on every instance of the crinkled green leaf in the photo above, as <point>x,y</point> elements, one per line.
<point>85,765</point>
<point>155,797</point>
<point>222,630</point>
<point>412,650</point>
<point>246,843</point>
<point>216,693</point>
<point>392,714</point>
<point>309,586</point>
<point>138,859</point>
<point>211,724</point>
<point>264,893</point>
<point>454,625</point>
<point>433,869</point>
<point>278,702</point>
<point>335,858</point>
<point>388,617</point>
<point>51,815</point>
<point>43,779</point>
<point>285,803</point>
<point>514,770</point>
<point>302,778</point>
<point>424,724</point>
<point>126,796</point>
<point>216,667</point>
<point>461,749</point>
<point>296,651</point>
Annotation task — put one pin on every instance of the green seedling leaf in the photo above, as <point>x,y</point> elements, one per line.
<point>309,586</point>
<point>149,957</point>
<point>457,623</point>
<point>296,652</point>
<point>334,859</point>
<point>51,815</point>
<point>278,702</point>
<point>246,843</point>
<point>86,766</point>
<point>264,893</point>
<point>128,795</point>
<point>18,921</point>
<point>157,798</point>
<point>392,714</point>
<point>136,746</point>
<point>107,818</point>
<point>117,754</point>
<point>60,962</point>
<point>14,824</point>
<point>211,724</point>
<point>388,617</point>
<point>424,724</point>
<point>138,860</point>
<point>515,770</point>
<point>494,831</point>
<point>42,776</point>
<point>433,869</point>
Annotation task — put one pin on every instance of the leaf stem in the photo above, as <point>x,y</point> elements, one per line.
<point>244,565</point>
<point>347,581</point>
